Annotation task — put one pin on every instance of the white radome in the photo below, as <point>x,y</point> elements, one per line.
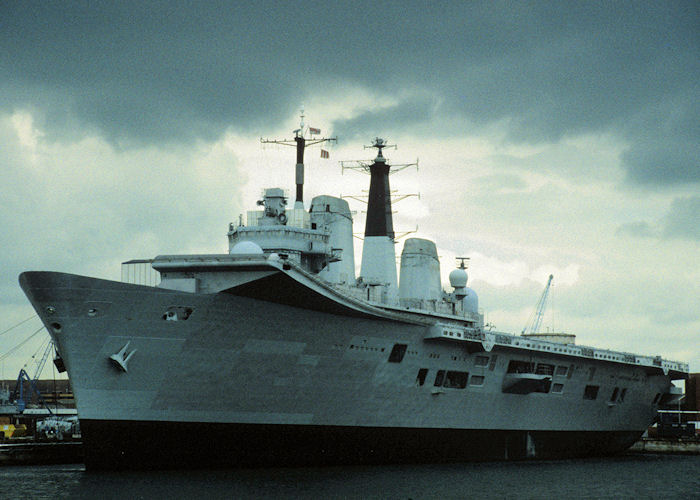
<point>458,278</point>
<point>246,248</point>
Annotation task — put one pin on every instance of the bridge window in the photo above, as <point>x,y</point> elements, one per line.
<point>439,378</point>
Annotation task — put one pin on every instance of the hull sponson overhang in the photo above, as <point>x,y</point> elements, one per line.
<point>298,289</point>
<point>277,281</point>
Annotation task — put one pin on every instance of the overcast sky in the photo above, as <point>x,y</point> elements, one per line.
<point>553,137</point>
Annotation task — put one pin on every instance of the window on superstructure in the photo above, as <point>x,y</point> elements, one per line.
<point>623,393</point>
<point>481,361</point>
<point>591,372</point>
<point>439,377</point>
<point>422,373</point>
<point>558,388</point>
<point>544,369</point>
<point>476,380</point>
<point>561,371</point>
<point>656,398</point>
<point>397,353</point>
<point>591,392</point>
<point>517,366</point>
<point>492,365</point>
<point>456,380</point>
<point>613,396</point>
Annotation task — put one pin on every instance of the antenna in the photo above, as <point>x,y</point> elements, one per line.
<point>395,197</point>
<point>364,165</point>
<point>301,122</point>
<point>379,211</point>
<point>462,261</point>
<point>380,144</point>
<point>301,143</point>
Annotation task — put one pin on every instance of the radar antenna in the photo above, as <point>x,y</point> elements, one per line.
<point>363,165</point>
<point>462,260</point>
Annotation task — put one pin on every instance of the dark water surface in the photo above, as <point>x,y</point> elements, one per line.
<point>630,476</point>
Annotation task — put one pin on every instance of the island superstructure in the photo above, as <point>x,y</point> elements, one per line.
<point>275,353</point>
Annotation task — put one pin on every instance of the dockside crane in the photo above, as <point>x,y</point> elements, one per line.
<point>18,394</point>
<point>533,324</point>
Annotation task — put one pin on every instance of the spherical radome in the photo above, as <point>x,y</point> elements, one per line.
<point>246,248</point>
<point>458,278</point>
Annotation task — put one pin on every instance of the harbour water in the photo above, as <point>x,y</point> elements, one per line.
<point>636,476</point>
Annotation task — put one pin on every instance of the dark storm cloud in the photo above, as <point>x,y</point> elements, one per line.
<point>165,71</point>
<point>681,222</point>
<point>171,71</point>
<point>665,160</point>
<point>665,142</point>
<point>408,113</point>
<point>682,219</point>
<point>639,229</point>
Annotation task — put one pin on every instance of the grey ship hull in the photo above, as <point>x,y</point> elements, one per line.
<point>248,382</point>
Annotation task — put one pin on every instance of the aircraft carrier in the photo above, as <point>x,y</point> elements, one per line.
<point>275,353</point>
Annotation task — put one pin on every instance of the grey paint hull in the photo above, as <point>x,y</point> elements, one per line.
<point>267,377</point>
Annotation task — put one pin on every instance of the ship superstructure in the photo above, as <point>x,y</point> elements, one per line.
<point>276,353</point>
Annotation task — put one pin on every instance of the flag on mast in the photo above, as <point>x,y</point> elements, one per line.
<point>314,131</point>
<point>324,153</point>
